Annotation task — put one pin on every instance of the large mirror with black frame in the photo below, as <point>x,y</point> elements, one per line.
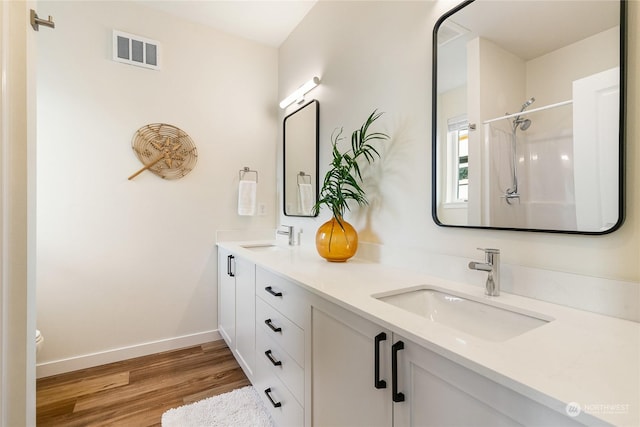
<point>300,140</point>
<point>528,115</point>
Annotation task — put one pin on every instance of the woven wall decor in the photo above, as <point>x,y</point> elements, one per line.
<point>165,150</point>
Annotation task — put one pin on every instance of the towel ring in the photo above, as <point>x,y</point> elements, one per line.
<point>246,170</point>
<point>301,177</point>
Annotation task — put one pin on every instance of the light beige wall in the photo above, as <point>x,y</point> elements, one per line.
<point>124,263</point>
<point>549,76</point>
<point>378,55</point>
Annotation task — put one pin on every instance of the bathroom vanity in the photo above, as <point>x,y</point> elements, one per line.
<point>361,343</point>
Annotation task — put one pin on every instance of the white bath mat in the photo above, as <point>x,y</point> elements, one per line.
<point>238,408</point>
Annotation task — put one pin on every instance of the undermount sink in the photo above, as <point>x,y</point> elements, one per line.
<point>464,313</point>
<point>261,246</point>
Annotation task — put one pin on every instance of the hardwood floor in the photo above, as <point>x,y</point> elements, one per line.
<point>137,392</point>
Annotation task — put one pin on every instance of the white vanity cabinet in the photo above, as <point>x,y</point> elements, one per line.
<point>236,307</point>
<point>227,296</point>
<point>309,336</point>
<point>439,392</point>
<point>356,382</point>
<point>282,312</point>
<point>343,384</point>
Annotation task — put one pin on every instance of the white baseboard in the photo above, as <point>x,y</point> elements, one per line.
<point>115,355</point>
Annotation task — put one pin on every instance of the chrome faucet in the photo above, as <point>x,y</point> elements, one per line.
<point>491,266</point>
<point>288,231</point>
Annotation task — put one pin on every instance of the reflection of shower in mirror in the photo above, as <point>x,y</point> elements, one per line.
<point>511,193</point>
<point>558,170</point>
<point>523,123</point>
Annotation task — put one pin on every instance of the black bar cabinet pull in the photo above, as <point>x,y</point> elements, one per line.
<point>397,397</point>
<point>378,383</point>
<point>229,259</point>
<point>271,359</point>
<point>273,402</point>
<point>272,292</point>
<point>270,325</point>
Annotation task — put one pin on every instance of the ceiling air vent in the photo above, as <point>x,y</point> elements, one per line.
<point>136,50</point>
<point>450,31</point>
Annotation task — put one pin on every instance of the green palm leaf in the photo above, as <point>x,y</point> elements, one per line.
<point>341,183</point>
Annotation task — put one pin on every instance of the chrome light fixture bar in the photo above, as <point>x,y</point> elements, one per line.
<point>298,94</point>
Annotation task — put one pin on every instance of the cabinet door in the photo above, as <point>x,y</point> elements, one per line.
<point>343,360</point>
<point>245,314</point>
<point>431,400</point>
<point>441,393</point>
<point>227,297</point>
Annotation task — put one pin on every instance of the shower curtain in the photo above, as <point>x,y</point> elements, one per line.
<point>497,177</point>
<point>498,158</point>
<point>544,172</point>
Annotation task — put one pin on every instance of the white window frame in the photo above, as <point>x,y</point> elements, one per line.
<point>452,166</point>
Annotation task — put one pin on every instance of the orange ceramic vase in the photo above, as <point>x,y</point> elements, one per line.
<point>336,243</point>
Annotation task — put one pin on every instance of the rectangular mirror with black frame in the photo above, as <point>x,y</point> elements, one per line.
<point>528,115</point>
<point>300,148</point>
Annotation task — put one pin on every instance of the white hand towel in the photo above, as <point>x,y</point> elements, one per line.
<point>305,198</point>
<point>247,198</point>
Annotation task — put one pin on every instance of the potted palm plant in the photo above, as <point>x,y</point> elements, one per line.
<point>336,239</point>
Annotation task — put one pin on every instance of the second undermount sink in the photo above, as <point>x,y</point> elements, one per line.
<point>465,313</point>
<point>266,246</point>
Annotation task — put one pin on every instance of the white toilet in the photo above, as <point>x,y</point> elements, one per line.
<point>39,341</point>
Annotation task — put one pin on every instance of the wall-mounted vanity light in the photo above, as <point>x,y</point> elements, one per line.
<point>298,94</point>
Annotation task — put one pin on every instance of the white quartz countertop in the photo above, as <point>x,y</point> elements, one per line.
<point>579,357</point>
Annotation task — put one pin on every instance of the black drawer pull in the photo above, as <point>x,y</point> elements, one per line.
<point>378,383</point>
<point>229,259</point>
<point>397,397</point>
<point>271,359</point>
<point>273,402</point>
<point>270,325</point>
<point>272,292</point>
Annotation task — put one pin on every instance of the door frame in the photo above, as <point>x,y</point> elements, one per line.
<point>17,214</point>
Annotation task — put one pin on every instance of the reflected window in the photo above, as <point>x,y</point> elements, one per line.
<point>458,155</point>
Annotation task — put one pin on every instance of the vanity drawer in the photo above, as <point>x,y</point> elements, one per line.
<point>282,406</point>
<point>281,330</point>
<point>285,296</point>
<point>280,364</point>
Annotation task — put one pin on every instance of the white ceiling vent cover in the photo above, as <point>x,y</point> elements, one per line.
<point>449,31</point>
<point>136,50</point>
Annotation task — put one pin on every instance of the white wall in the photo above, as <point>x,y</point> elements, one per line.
<point>378,55</point>
<point>17,198</point>
<point>125,263</point>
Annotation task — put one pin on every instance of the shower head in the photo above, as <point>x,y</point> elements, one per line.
<point>527,103</point>
<point>523,124</point>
